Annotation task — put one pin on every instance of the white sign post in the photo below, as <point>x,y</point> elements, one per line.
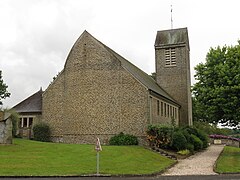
<point>98,148</point>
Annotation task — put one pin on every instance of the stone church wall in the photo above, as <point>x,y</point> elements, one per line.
<point>94,97</point>
<point>52,106</point>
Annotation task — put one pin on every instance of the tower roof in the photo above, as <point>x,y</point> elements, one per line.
<point>172,37</point>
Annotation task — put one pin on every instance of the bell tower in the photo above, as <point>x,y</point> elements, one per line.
<point>173,69</point>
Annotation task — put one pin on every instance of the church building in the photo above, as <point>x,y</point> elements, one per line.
<point>100,94</point>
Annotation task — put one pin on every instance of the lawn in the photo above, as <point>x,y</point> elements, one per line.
<point>32,158</point>
<point>229,161</point>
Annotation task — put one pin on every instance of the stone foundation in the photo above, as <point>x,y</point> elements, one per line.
<point>90,139</point>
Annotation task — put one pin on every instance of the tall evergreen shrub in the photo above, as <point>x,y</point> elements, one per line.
<point>198,144</point>
<point>179,141</point>
<point>41,132</point>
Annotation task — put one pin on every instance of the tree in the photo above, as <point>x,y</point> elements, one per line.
<point>217,91</point>
<point>3,89</point>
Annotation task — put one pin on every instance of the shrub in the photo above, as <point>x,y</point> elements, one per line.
<point>190,147</point>
<point>178,141</point>
<point>41,132</point>
<point>186,135</point>
<point>192,130</point>
<point>198,133</point>
<point>15,121</point>
<point>123,139</point>
<point>160,135</point>
<point>178,138</point>
<point>198,144</point>
<point>204,138</point>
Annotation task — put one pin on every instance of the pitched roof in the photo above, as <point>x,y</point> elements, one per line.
<point>140,75</point>
<point>34,102</point>
<point>172,36</point>
<point>30,104</point>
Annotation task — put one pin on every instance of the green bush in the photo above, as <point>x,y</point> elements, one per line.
<point>123,139</point>
<point>188,131</point>
<point>178,141</point>
<point>41,132</point>
<point>160,135</point>
<point>190,147</point>
<point>178,138</point>
<point>197,143</point>
<point>192,130</point>
<point>204,138</point>
<point>186,135</point>
<point>15,121</point>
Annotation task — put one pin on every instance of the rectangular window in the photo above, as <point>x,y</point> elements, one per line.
<point>30,122</point>
<point>165,109</point>
<point>161,108</point>
<point>170,57</point>
<point>171,111</point>
<point>176,113</point>
<point>158,108</point>
<point>20,122</point>
<point>168,110</point>
<point>25,122</point>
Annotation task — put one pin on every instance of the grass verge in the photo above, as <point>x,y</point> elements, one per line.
<point>229,160</point>
<point>32,158</point>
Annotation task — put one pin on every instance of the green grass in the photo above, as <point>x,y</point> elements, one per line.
<point>229,161</point>
<point>32,158</point>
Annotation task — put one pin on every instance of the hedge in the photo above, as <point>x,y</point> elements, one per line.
<point>123,139</point>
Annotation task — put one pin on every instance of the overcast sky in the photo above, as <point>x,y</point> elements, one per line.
<point>37,35</point>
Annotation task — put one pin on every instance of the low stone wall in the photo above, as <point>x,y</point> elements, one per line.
<point>227,142</point>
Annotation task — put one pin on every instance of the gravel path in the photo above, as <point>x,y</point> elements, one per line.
<point>199,164</point>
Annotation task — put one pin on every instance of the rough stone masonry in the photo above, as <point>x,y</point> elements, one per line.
<point>5,129</point>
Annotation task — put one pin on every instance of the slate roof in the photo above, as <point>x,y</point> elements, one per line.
<point>140,75</point>
<point>172,36</point>
<point>30,104</point>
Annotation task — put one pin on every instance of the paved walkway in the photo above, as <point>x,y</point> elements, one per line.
<point>199,164</point>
